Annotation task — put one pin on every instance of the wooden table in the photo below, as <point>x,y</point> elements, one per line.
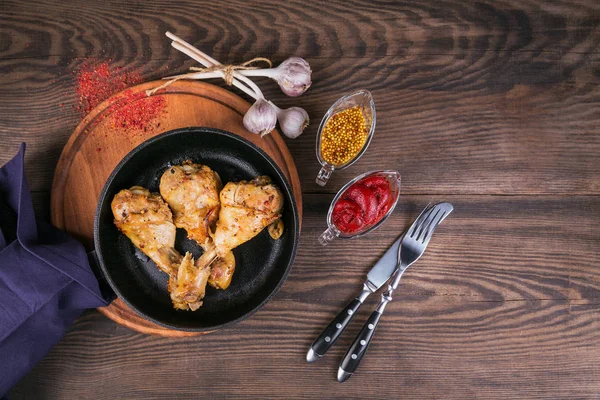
<point>493,106</point>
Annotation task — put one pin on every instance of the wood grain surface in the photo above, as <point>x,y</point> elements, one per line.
<point>491,105</point>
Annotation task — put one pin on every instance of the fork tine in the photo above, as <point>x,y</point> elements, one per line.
<point>427,223</point>
<point>417,237</point>
<point>446,210</point>
<point>434,225</point>
<point>419,220</point>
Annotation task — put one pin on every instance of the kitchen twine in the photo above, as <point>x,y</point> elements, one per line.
<point>228,72</point>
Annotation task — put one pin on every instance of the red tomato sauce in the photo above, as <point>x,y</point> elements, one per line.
<point>363,204</point>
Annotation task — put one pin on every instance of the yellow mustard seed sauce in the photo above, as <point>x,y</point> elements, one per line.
<point>344,136</point>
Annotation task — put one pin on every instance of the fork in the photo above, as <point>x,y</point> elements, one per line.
<point>411,248</point>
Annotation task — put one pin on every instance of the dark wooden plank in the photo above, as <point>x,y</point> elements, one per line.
<point>493,248</point>
<point>455,350</point>
<point>343,29</point>
<point>503,305</point>
<point>472,98</point>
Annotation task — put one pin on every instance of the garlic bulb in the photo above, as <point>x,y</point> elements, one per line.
<point>292,120</point>
<point>261,118</point>
<point>293,76</point>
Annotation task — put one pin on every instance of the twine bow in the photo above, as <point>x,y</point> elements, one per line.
<point>228,72</point>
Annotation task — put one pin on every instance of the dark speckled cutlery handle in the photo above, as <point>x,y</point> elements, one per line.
<point>358,349</point>
<point>333,331</point>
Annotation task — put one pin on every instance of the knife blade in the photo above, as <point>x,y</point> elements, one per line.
<point>376,278</point>
<point>385,267</point>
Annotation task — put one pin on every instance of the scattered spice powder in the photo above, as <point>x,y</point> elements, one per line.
<point>344,136</point>
<point>138,110</point>
<point>98,82</point>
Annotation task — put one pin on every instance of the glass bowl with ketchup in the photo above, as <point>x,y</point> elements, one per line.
<point>362,205</point>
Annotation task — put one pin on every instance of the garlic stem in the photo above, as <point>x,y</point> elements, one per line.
<point>188,50</point>
<point>263,72</point>
<point>195,75</point>
<point>262,116</point>
<point>208,61</point>
<point>193,55</point>
<point>277,109</point>
<point>210,75</point>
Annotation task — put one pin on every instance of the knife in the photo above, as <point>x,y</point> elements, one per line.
<point>411,248</point>
<point>377,276</point>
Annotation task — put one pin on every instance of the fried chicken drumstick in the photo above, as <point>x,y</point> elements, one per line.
<point>247,207</point>
<point>148,222</point>
<point>192,192</point>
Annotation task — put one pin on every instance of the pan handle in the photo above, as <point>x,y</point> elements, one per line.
<point>105,289</point>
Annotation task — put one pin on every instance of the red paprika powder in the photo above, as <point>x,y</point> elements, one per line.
<point>97,82</point>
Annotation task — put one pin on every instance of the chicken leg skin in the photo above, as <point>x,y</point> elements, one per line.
<point>192,192</point>
<point>247,207</point>
<point>148,222</point>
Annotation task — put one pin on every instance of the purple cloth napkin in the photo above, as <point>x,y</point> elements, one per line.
<point>45,279</point>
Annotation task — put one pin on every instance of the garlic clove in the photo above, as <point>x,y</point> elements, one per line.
<point>292,121</point>
<point>293,76</point>
<point>261,118</point>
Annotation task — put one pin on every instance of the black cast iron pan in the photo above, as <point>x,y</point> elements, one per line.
<point>262,264</point>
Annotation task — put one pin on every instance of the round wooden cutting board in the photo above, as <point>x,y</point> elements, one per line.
<point>97,146</point>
